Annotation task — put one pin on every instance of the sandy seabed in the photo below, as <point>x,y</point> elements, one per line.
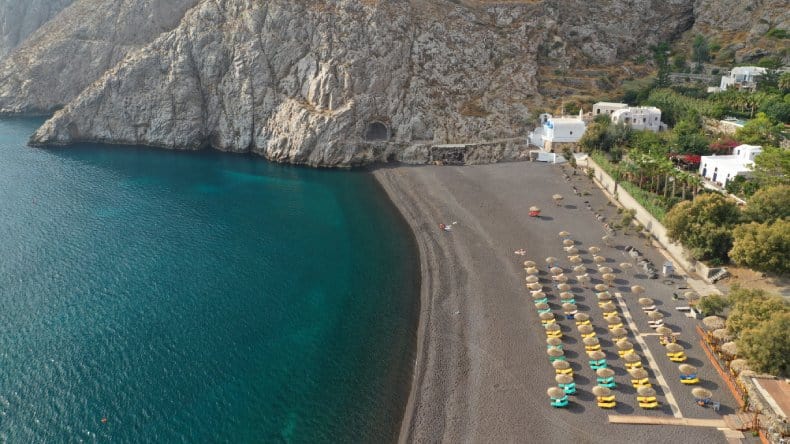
<point>481,369</point>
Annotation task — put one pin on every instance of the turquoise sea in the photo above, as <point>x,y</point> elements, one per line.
<point>157,296</point>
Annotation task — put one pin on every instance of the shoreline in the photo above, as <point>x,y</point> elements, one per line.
<point>480,372</point>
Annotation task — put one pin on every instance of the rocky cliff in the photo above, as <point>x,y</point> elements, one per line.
<point>20,18</point>
<point>76,47</point>
<point>347,82</point>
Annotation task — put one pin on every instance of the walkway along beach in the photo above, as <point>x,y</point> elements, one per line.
<point>481,371</point>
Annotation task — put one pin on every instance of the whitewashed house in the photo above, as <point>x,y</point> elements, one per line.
<point>558,133</point>
<point>721,169</point>
<point>742,77</point>
<point>607,108</point>
<point>639,118</point>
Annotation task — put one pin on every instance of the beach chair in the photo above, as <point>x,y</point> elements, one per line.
<point>606,402</point>
<point>541,301</point>
<point>558,397</point>
<point>640,382</point>
<point>607,382</point>
<point>592,348</point>
<point>667,339</point>
<point>677,356</point>
<point>689,379</point>
<point>615,326</point>
<point>632,365</point>
<point>647,402</point>
<point>569,388</point>
<point>588,335</point>
<point>568,301</point>
<point>656,323</point>
<point>622,353</point>
<point>560,402</point>
<point>606,314</point>
<point>563,371</point>
<point>596,364</point>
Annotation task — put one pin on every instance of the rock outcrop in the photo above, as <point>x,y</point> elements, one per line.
<point>20,18</point>
<point>75,48</point>
<point>347,82</point>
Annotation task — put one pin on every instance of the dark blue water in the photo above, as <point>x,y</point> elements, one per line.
<point>198,297</point>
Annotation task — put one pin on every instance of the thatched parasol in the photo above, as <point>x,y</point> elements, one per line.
<point>528,264</point>
<point>564,287</point>
<point>739,365</point>
<point>561,278</point>
<point>687,369</point>
<point>722,334</point>
<point>568,242</point>
<point>580,269</point>
<point>583,317</point>
<point>614,320</point>
<point>535,286</point>
<point>601,391</point>
<point>532,279</point>
<point>546,316</point>
<point>604,372</point>
<point>531,270</point>
<point>608,307</point>
<point>730,348</point>
<point>638,373</point>
<point>619,333</point>
<point>563,379</point>
<point>604,296</point>
<point>542,306</point>
<point>586,329</point>
<point>554,342</point>
<point>599,259</point>
<point>597,355</point>
<point>551,260</point>
<point>534,208</point>
<point>556,393</point>
<point>594,250</point>
<point>655,316</point>
<point>701,393</point>
<point>561,365</point>
<point>674,348</point>
<point>608,277</point>
<point>624,345</point>
<point>571,250</point>
<point>553,327</point>
<point>590,341</point>
<point>555,352</point>
<point>557,198</point>
<point>631,358</point>
<point>626,265</point>
<point>555,270</point>
<point>637,289</point>
<point>691,296</point>
<point>564,234</point>
<point>566,295</point>
<point>575,259</point>
<point>604,270</point>
<point>646,302</point>
<point>600,287</point>
<point>646,391</point>
<point>664,330</point>
<point>583,278</point>
<point>713,323</point>
<point>567,308</point>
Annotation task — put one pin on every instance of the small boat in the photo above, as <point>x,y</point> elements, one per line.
<point>534,211</point>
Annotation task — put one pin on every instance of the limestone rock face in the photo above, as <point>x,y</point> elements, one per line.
<point>76,47</point>
<point>348,82</point>
<point>20,18</point>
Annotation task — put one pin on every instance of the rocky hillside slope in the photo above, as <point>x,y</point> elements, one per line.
<point>319,82</point>
<point>20,18</point>
<point>76,47</point>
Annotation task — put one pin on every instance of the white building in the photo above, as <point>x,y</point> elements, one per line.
<point>607,108</point>
<point>639,118</point>
<point>558,133</point>
<point>742,77</point>
<point>721,169</point>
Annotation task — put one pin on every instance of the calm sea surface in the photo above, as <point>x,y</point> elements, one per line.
<point>198,297</point>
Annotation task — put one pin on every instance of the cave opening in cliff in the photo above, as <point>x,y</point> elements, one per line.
<point>377,132</point>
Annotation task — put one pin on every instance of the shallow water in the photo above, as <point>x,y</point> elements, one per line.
<point>198,297</point>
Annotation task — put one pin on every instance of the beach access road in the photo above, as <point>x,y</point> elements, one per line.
<point>481,369</point>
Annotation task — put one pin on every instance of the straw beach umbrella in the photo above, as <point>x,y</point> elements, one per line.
<point>601,391</point>
<point>608,307</point>
<point>637,289</point>
<point>604,372</point>
<point>557,198</point>
<point>713,323</point>
<point>575,259</point>
<point>561,278</point>
<point>631,358</point>
<point>571,250</point>
<point>597,355</point>
<point>568,307</point>
<point>701,393</point>
<point>730,348</point>
<point>738,365</point>
<point>674,348</point>
<point>605,270</point>
<point>538,295</point>
<point>646,302</point>
<point>566,295</point>
<point>564,234</point>
<point>546,316</point>
<point>608,277</point>
<point>580,269</point>
<point>687,369</point>
<point>594,250</point>
<point>586,329</point>
<point>583,279</point>
<point>626,265</point>
<point>564,287</point>
<point>600,287</point>
<point>552,328</point>
<point>542,306</point>
<point>535,286</point>
<point>614,320</point>
<point>591,341</point>
<point>563,379</point>
<point>582,317</point>
<point>532,279</point>
<point>555,270</point>
<point>655,316</point>
<point>646,391</point>
<point>529,264</point>
<point>531,270</point>
<point>551,260</point>
<point>619,333</point>
<point>638,373</point>
<point>721,335</point>
<point>561,365</point>
<point>554,352</point>
<point>664,330</point>
<point>568,242</point>
<point>624,344</point>
<point>599,259</point>
<point>554,342</point>
<point>555,393</point>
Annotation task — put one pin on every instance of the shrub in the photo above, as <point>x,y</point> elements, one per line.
<point>763,247</point>
<point>712,305</point>
<point>704,226</point>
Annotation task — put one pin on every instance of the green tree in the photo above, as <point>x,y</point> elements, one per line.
<point>649,142</point>
<point>700,51</point>
<point>594,137</point>
<point>784,82</point>
<point>763,247</point>
<point>661,58</point>
<point>704,226</point>
<point>760,131</point>
<point>769,204</point>
<point>767,346</point>
<point>750,307</point>
<point>713,305</point>
<point>772,166</point>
